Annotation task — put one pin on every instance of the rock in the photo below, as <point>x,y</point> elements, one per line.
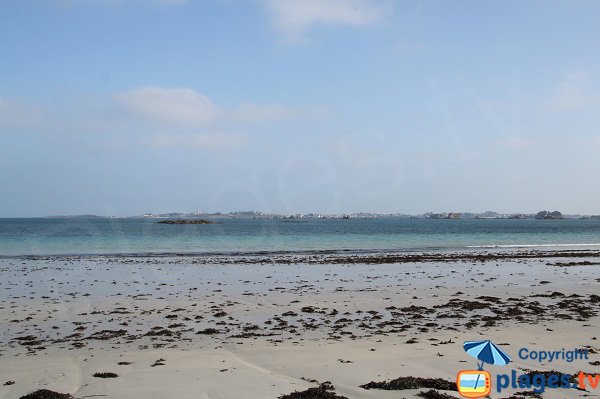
<point>549,215</point>
<point>46,394</point>
<point>208,331</point>
<point>433,394</point>
<point>410,382</point>
<point>323,391</point>
<point>105,375</point>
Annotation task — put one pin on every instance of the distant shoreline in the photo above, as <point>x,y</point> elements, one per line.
<point>489,215</point>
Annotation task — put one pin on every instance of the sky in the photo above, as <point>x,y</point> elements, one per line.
<point>121,107</point>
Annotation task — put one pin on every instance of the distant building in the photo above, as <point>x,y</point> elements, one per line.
<point>444,215</point>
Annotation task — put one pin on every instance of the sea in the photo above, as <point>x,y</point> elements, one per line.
<point>145,236</point>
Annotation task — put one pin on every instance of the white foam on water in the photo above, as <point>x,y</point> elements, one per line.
<point>534,245</point>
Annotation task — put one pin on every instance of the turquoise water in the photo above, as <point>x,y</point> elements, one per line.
<point>62,236</point>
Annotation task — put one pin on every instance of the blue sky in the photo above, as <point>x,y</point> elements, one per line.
<point>130,106</point>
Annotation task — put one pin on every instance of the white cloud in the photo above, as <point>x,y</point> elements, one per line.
<point>141,116</point>
<point>152,109</point>
<point>200,140</point>
<point>293,17</point>
<point>185,107</point>
<point>178,106</point>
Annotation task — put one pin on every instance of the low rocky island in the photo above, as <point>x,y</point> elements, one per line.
<point>188,221</point>
<point>549,215</point>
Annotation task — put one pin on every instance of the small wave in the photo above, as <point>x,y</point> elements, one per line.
<point>534,245</point>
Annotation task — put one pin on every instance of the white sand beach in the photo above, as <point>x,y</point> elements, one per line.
<point>183,330</point>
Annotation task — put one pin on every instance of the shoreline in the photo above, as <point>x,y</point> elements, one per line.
<point>348,256</point>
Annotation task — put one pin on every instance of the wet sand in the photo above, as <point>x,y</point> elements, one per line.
<point>265,326</point>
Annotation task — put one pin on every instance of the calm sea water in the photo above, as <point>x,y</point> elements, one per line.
<point>42,236</point>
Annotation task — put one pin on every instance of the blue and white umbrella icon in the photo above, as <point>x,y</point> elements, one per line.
<point>487,352</point>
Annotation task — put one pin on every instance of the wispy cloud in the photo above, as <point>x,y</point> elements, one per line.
<point>178,106</point>
<point>292,18</point>
<point>142,115</point>
<point>175,107</point>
